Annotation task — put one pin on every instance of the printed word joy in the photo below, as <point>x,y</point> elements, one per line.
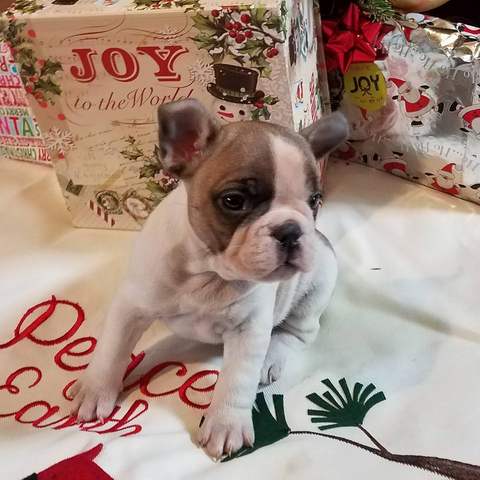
<point>365,83</point>
<point>124,66</point>
<point>71,357</point>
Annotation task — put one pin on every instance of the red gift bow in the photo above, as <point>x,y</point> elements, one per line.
<point>353,39</point>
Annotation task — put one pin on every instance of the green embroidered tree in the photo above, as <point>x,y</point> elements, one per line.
<point>345,408</point>
<point>349,408</point>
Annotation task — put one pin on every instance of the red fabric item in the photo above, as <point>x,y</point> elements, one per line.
<point>353,39</point>
<point>79,467</point>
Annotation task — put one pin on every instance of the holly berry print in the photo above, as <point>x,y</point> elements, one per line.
<point>39,75</point>
<point>261,111</point>
<point>250,36</point>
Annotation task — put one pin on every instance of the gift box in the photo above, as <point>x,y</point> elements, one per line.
<point>410,87</point>
<point>101,69</point>
<point>20,135</point>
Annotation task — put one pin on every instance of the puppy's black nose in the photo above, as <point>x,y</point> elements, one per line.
<point>288,235</point>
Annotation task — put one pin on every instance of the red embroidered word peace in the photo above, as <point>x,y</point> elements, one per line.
<point>41,414</point>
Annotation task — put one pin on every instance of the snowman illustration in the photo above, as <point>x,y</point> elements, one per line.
<point>415,103</point>
<point>444,180</point>
<point>235,92</point>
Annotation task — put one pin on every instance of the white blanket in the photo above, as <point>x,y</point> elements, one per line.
<point>404,317</point>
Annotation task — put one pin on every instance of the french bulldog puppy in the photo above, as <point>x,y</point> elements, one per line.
<point>231,256</point>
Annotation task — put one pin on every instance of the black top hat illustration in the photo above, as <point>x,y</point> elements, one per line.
<point>235,84</point>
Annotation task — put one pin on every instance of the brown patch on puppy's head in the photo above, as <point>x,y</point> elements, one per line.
<point>233,186</point>
<point>252,188</point>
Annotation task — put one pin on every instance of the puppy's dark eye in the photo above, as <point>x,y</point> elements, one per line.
<point>222,107</point>
<point>241,112</point>
<point>233,200</point>
<point>315,200</point>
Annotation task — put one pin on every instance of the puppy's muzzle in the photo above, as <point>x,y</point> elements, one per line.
<point>288,236</point>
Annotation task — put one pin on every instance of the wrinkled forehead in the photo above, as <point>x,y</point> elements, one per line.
<point>280,160</point>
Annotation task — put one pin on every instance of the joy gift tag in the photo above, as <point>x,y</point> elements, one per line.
<point>365,86</point>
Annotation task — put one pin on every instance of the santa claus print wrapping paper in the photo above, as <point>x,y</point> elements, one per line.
<point>426,127</point>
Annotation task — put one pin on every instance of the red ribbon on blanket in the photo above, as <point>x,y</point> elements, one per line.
<point>353,39</point>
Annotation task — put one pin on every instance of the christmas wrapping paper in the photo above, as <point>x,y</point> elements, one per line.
<point>96,73</point>
<point>20,135</point>
<point>416,113</point>
<point>389,390</point>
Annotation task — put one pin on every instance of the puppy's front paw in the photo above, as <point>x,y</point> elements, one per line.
<point>93,399</point>
<point>226,431</point>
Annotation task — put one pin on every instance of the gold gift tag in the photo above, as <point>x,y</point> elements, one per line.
<point>365,86</point>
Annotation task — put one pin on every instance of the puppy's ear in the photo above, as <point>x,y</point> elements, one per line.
<point>326,134</point>
<point>186,130</point>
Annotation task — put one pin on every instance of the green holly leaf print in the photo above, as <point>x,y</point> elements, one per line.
<point>156,189</point>
<point>204,42</point>
<point>270,100</point>
<point>149,170</point>
<point>275,23</point>
<point>48,86</point>
<point>258,15</point>
<point>268,428</point>
<point>254,48</point>
<point>204,24</point>
<point>255,115</point>
<point>50,67</point>
<point>262,65</point>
